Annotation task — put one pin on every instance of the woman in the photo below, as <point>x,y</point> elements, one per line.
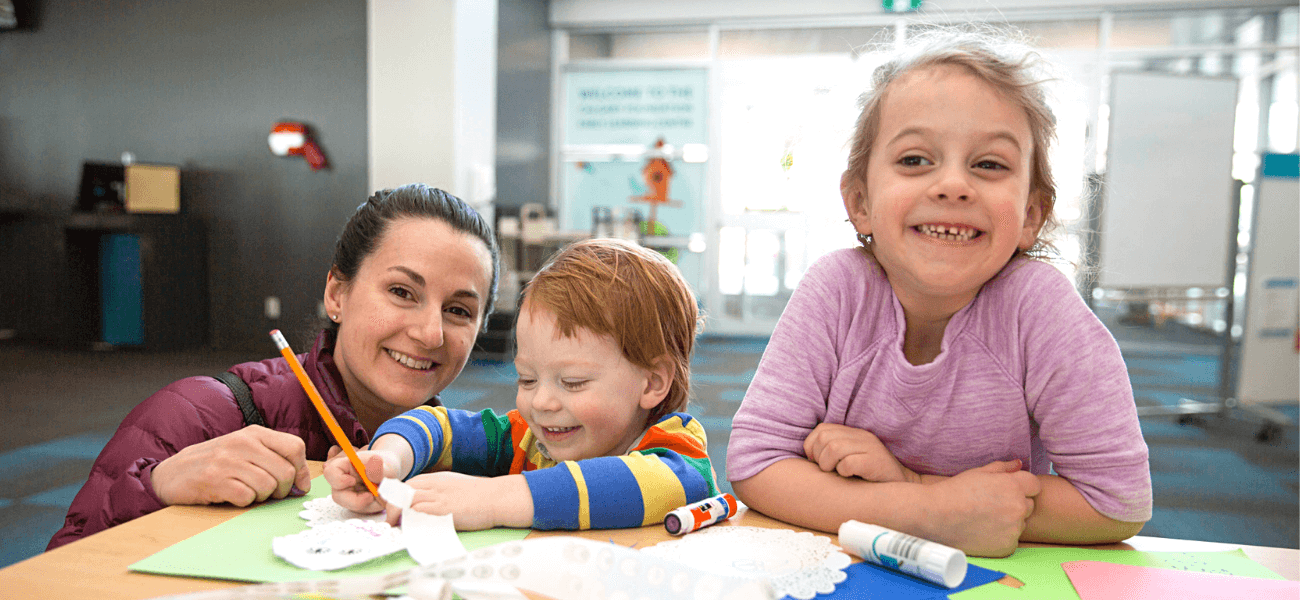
<point>413,279</point>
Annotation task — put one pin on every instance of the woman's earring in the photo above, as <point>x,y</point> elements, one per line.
<point>334,318</point>
<point>864,239</point>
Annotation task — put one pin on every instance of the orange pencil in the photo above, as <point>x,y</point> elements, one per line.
<point>330,422</point>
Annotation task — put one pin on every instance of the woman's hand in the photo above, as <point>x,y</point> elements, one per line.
<point>241,467</point>
<point>346,486</point>
<point>854,452</point>
<point>474,502</point>
<point>983,511</point>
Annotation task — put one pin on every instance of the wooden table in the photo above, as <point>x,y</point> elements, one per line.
<point>96,566</point>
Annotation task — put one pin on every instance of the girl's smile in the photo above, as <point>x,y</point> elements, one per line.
<point>949,233</point>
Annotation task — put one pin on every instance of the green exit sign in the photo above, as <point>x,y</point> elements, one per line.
<point>901,5</point>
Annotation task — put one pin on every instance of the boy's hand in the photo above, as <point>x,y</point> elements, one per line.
<point>854,452</point>
<point>474,502</point>
<point>983,511</point>
<point>347,488</point>
<point>241,467</point>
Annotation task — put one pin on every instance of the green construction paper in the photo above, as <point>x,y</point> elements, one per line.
<point>1044,578</point>
<point>240,549</point>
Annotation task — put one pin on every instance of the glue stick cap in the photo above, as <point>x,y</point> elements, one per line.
<point>948,567</point>
<point>912,555</point>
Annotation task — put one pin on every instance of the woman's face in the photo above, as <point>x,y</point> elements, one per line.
<point>408,320</point>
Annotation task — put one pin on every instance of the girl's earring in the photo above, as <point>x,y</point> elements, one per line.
<point>864,239</point>
<point>334,318</point>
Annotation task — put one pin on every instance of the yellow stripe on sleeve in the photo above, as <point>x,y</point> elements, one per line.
<point>444,459</point>
<point>584,502</point>
<point>439,413</point>
<point>657,500</point>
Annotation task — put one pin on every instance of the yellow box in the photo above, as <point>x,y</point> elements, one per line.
<point>153,189</point>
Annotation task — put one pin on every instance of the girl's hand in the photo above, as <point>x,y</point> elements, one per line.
<point>854,452</point>
<point>347,488</point>
<point>983,511</point>
<point>241,467</point>
<point>474,502</point>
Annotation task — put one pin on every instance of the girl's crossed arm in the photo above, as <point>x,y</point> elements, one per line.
<point>1061,514</point>
<point>981,511</point>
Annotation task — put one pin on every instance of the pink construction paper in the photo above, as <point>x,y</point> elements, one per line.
<point>1107,581</point>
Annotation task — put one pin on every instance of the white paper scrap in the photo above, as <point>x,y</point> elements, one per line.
<point>428,538</point>
<point>338,544</point>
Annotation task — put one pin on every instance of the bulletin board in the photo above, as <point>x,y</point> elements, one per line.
<point>1168,212</point>
<point>1270,363</point>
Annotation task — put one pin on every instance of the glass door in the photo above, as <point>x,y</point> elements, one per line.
<point>784,125</point>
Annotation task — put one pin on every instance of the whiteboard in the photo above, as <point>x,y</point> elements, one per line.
<point>1270,364</point>
<point>1165,218</point>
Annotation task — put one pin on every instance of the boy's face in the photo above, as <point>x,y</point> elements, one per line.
<point>947,197</point>
<point>580,396</point>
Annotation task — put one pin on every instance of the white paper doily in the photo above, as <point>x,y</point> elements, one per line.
<point>319,511</point>
<point>797,564</point>
<point>338,544</point>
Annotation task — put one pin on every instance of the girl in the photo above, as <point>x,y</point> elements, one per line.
<point>604,338</point>
<point>411,284</point>
<point>939,347</point>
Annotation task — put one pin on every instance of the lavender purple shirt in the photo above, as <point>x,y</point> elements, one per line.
<point>1025,371</point>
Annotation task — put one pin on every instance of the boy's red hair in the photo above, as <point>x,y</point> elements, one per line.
<point>630,293</point>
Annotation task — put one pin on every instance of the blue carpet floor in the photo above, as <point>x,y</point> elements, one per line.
<point>1212,480</point>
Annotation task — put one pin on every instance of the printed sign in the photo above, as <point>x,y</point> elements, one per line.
<point>635,107</point>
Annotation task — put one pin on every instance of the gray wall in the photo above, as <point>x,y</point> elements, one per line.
<point>523,103</point>
<point>199,85</point>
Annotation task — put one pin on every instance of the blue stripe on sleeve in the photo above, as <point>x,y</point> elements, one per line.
<point>555,498</point>
<point>407,425</point>
<point>469,449</point>
<point>613,493</point>
<point>693,483</point>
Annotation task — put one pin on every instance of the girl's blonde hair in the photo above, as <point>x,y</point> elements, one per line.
<point>630,293</point>
<point>1001,59</point>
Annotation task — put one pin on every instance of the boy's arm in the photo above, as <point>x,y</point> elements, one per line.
<point>981,511</point>
<point>666,470</point>
<point>437,438</point>
<point>474,502</point>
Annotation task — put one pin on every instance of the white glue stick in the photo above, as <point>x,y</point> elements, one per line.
<point>930,561</point>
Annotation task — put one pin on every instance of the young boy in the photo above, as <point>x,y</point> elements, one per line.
<point>604,341</point>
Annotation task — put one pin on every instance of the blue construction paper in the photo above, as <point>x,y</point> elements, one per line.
<point>867,581</point>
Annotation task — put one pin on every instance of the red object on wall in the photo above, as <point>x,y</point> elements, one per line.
<point>292,138</point>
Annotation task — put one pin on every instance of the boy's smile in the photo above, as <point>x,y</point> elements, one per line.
<point>946,195</point>
<point>579,395</point>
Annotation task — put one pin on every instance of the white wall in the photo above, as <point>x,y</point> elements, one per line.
<point>431,70</point>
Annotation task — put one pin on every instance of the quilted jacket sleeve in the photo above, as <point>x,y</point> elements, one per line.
<point>119,488</point>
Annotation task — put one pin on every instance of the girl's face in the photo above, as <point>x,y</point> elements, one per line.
<point>408,320</point>
<point>946,197</point>
<point>579,395</point>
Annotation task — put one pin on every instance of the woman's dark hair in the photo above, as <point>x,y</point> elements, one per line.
<point>367,226</point>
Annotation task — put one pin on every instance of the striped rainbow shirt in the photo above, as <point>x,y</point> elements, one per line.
<point>668,467</point>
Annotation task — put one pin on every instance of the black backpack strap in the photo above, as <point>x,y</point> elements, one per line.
<point>243,396</point>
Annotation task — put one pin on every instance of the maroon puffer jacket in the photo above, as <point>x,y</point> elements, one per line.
<point>196,409</point>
